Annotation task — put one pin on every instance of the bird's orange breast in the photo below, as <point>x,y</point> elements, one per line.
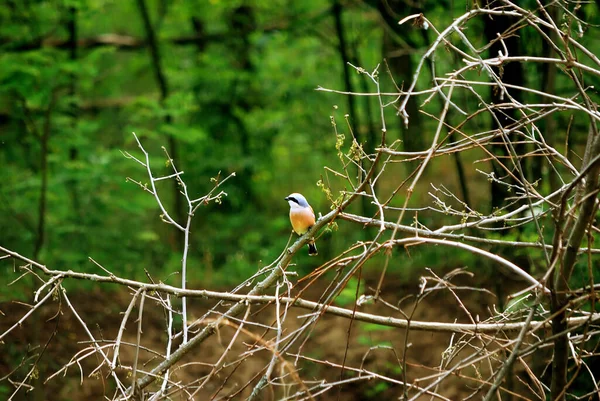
<point>302,220</point>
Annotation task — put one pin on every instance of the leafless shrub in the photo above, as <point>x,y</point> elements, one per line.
<point>482,353</point>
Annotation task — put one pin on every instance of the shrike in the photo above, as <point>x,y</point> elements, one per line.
<point>302,218</point>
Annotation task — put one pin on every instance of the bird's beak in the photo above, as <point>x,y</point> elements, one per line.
<point>286,198</point>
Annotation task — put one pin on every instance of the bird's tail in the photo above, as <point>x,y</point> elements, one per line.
<point>312,249</point>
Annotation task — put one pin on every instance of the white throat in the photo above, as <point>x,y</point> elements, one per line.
<point>295,206</point>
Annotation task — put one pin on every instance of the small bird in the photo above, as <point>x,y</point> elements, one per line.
<point>302,218</point>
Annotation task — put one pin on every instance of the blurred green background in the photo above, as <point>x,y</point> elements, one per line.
<point>224,86</point>
<point>230,89</point>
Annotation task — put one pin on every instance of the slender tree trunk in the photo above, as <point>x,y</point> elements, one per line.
<point>371,138</point>
<point>402,69</point>
<point>38,392</point>
<point>460,171</point>
<point>73,112</point>
<point>587,196</point>
<point>511,73</point>
<point>161,80</point>
<point>549,71</point>
<point>40,239</point>
<point>456,156</point>
<point>336,11</point>
<point>242,25</point>
<point>43,201</point>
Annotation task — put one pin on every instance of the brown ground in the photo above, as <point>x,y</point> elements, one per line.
<point>328,342</point>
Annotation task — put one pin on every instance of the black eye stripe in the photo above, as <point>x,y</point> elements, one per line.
<point>294,199</point>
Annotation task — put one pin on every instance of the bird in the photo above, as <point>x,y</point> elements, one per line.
<point>302,218</point>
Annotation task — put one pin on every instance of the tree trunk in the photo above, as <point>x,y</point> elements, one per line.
<point>511,73</point>
<point>161,80</point>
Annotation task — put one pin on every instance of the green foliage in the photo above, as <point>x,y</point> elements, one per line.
<point>237,100</point>
<point>377,389</point>
<point>243,102</point>
<point>348,295</point>
<point>372,327</point>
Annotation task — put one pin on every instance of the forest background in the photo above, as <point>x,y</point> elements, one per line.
<point>256,88</point>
